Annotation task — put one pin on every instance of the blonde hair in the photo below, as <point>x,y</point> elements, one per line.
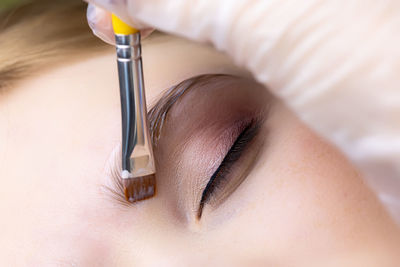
<point>41,32</point>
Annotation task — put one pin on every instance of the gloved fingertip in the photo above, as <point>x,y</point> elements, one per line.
<point>99,21</point>
<point>146,32</point>
<point>110,39</point>
<point>91,16</point>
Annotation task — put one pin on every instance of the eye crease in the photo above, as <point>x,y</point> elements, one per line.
<point>223,172</point>
<point>215,139</point>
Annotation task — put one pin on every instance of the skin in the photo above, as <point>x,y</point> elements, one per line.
<point>302,203</point>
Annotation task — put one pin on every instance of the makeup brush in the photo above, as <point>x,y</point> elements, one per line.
<point>138,168</point>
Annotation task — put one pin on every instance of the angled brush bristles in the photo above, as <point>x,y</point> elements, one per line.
<point>139,188</point>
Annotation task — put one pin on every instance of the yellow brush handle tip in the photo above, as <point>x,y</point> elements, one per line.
<point>121,27</point>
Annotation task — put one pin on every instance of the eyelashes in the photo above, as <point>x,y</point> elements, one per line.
<point>223,172</point>
<point>219,181</point>
<point>240,112</point>
<point>158,117</point>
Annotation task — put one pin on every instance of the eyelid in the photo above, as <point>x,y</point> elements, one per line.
<point>200,135</point>
<point>157,116</point>
<point>158,113</point>
<point>224,181</point>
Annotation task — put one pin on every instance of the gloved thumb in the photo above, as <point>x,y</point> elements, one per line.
<point>335,63</point>
<point>99,20</point>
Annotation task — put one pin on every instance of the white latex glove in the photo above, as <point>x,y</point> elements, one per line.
<point>336,63</point>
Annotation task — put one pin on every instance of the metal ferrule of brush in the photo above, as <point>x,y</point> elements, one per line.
<point>137,152</point>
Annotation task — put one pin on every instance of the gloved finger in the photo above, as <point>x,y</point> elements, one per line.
<point>99,21</point>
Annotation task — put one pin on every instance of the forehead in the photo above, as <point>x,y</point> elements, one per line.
<point>59,129</point>
<point>168,60</point>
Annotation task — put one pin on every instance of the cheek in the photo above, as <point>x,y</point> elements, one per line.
<point>306,173</point>
<point>302,191</point>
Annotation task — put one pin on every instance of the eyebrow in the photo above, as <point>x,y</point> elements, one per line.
<point>157,116</point>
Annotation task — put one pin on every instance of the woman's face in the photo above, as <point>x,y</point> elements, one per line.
<point>280,194</point>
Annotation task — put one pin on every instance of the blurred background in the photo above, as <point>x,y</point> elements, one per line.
<point>7,3</point>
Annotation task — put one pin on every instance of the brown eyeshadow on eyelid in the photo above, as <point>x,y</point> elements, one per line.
<point>158,113</point>
<point>220,143</point>
<point>202,139</point>
<point>251,157</point>
<point>157,118</point>
<point>193,151</point>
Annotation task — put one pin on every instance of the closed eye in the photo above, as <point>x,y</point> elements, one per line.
<point>205,136</point>
<point>220,176</point>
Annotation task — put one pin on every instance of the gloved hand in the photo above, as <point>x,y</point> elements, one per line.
<point>336,63</point>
